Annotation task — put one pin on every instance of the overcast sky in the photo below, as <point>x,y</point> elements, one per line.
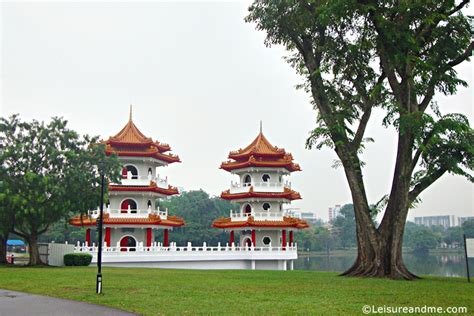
<point>200,79</point>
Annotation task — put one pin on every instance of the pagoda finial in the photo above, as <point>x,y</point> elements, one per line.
<point>130,116</point>
<point>260,126</point>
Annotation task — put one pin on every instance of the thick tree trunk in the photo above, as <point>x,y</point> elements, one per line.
<point>383,258</point>
<point>3,249</point>
<point>34,251</point>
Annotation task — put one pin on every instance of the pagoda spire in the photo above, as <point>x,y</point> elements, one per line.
<point>260,126</point>
<point>130,115</point>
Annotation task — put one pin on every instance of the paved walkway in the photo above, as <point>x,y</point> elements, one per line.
<point>21,304</point>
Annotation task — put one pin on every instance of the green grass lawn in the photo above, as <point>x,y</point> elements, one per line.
<point>171,292</point>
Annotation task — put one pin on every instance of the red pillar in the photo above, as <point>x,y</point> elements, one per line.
<point>231,241</point>
<point>88,236</point>
<point>148,237</point>
<point>254,240</point>
<point>283,238</point>
<point>107,236</point>
<point>291,238</point>
<point>166,242</point>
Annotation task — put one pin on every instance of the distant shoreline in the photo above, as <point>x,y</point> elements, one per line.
<point>346,252</point>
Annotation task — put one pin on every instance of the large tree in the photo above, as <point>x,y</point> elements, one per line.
<point>52,172</point>
<point>356,56</point>
<point>6,214</point>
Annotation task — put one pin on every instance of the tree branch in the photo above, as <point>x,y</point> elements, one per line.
<point>424,183</point>
<point>367,111</point>
<point>431,89</point>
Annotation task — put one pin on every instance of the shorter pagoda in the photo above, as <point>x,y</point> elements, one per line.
<point>260,192</point>
<point>131,219</point>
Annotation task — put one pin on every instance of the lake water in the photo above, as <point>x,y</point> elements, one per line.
<point>452,265</point>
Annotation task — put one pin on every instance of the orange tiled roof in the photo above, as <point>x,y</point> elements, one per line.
<point>260,153</point>
<point>287,222</point>
<point>260,146</point>
<point>286,194</point>
<point>130,141</point>
<point>152,219</point>
<point>149,188</point>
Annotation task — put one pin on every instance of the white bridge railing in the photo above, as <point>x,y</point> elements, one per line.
<point>158,248</point>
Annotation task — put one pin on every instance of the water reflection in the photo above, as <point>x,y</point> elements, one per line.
<point>452,265</point>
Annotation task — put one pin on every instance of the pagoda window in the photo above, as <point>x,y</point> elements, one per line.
<point>132,171</point>
<point>266,178</point>
<point>128,204</point>
<point>150,173</point>
<point>266,206</point>
<point>149,204</point>
<point>247,209</point>
<point>266,240</point>
<point>128,243</point>
<point>247,180</point>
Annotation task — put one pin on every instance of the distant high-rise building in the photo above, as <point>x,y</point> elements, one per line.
<point>439,220</point>
<point>461,220</point>
<point>333,212</point>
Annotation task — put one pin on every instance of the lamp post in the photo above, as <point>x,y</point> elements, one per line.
<point>98,288</point>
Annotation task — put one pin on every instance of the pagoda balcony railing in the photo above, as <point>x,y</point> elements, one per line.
<point>131,179</point>
<point>130,213</point>
<point>259,215</point>
<point>236,187</point>
<point>158,248</point>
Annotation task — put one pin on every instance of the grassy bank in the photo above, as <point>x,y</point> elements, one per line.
<point>156,291</point>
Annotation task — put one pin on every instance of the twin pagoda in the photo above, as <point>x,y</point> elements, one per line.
<point>261,232</point>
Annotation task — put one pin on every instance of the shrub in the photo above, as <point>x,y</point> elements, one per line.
<point>77,259</point>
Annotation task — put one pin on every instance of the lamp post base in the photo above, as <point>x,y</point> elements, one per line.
<point>98,287</point>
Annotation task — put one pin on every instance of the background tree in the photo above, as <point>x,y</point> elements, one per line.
<point>453,236</point>
<point>422,240</point>
<point>52,173</point>
<point>468,228</point>
<point>6,214</point>
<point>359,55</point>
<point>199,210</point>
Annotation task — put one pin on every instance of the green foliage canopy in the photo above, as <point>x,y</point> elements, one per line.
<point>52,172</point>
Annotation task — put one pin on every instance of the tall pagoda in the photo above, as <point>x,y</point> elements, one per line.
<point>260,193</point>
<point>131,219</point>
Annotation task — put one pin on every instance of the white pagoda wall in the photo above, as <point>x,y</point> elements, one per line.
<point>258,206</point>
<point>139,234</point>
<point>259,235</point>
<point>142,201</point>
<point>142,166</point>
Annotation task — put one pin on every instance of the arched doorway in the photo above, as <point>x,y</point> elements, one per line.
<point>132,170</point>
<point>129,243</point>
<point>247,180</point>
<point>126,204</point>
<point>247,209</point>
<point>247,242</point>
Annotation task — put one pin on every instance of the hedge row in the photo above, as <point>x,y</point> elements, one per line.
<point>77,259</point>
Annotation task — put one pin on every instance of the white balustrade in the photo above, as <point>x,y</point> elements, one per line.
<point>236,187</point>
<point>144,180</point>
<point>132,213</point>
<point>241,216</point>
<point>157,248</point>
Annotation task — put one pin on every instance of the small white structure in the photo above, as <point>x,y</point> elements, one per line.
<point>196,257</point>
